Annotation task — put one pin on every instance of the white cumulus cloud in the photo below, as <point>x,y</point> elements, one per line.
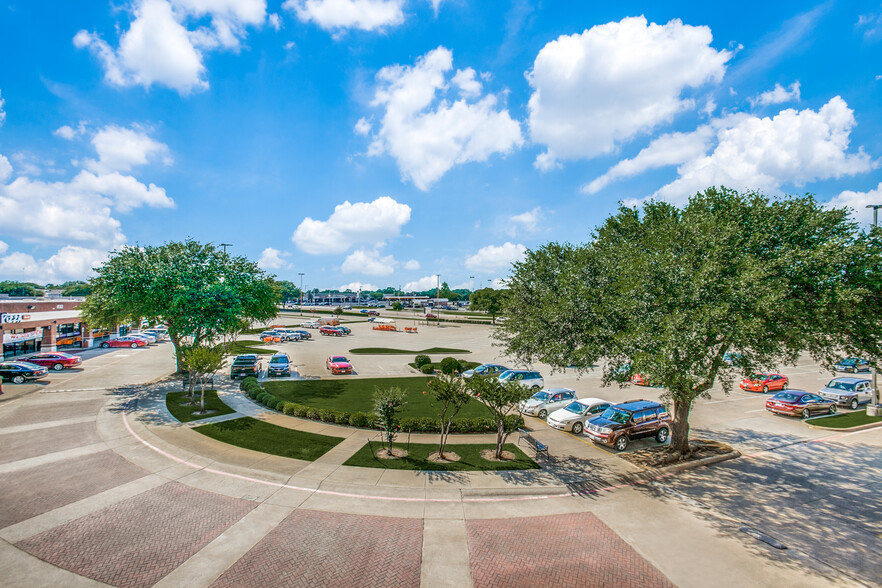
<point>159,48</point>
<point>494,258</point>
<point>598,89</point>
<point>777,95</point>
<point>369,223</point>
<point>272,258</point>
<point>411,264</point>
<point>120,149</point>
<point>428,133</point>
<point>336,15</point>
<point>421,285</point>
<point>793,147</point>
<point>358,286</point>
<point>2,112</point>
<point>68,263</point>
<point>369,262</point>
<point>527,221</point>
<point>858,202</point>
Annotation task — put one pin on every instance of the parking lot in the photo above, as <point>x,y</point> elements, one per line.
<point>811,491</point>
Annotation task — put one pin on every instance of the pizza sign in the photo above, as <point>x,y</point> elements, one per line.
<point>10,317</point>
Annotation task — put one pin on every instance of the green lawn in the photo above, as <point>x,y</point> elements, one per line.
<point>390,351</point>
<point>470,458</point>
<point>356,395</point>
<point>245,347</point>
<point>260,436</point>
<point>846,420</point>
<point>185,413</point>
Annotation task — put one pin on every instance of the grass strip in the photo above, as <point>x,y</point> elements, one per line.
<point>846,420</point>
<point>185,413</point>
<point>258,435</point>
<point>356,395</point>
<point>469,454</point>
<point>390,351</point>
<point>245,347</point>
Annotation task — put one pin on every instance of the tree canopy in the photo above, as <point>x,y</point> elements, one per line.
<point>669,292</point>
<point>197,290</point>
<point>488,300</point>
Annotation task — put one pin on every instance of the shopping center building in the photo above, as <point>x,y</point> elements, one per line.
<point>30,325</point>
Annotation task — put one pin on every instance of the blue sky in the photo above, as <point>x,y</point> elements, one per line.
<point>373,143</point>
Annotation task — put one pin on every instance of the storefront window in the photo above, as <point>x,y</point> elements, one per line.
<point>21,348</point>
<point>68,335</point>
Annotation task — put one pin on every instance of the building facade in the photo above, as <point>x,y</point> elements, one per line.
<point>30,325</point>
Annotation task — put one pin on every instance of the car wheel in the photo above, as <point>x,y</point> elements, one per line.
<point>806,413</point>
<point>57,367</point>
<point>105,345</point>
<point>854,404</point>
<point>784,385</point>
<point>765,389</point>
<point>832,409</point>
<point>622,443</point>
<point>577,428</point>
<point>18,380</point>
<point>134,345</point>
<point>534,388</point>
<point>543,414</point>
<point>662,435</point>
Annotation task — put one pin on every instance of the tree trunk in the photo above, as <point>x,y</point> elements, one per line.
<point>445,433</point>
<point>500,438</point>
<point>680,426</point>
<point>191,383</point>
<point>176,341</point>
<point>202,398</point>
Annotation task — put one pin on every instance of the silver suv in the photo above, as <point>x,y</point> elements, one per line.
<point>527,378</point>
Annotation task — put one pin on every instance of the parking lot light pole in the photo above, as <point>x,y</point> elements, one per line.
<point>875,208</point>
<point>301,292</point>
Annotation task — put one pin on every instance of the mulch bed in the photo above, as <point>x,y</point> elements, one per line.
<point>659,457</point>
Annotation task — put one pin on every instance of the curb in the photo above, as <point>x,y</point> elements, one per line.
<point>858,428</point>
<point>689,465</point>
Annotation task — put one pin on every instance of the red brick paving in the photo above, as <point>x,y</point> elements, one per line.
<point>51,411</point>
<point>312,548</point>
<point>16,446</point>
<point>33,491</point>
<point>560,550</point>
<point>140,540</point>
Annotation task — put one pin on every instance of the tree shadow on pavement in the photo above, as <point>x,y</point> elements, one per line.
<point>822,499</point>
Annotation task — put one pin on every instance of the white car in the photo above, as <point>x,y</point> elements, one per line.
<point>546,401</point>
<point>311,325</point>
<point>573,416</point>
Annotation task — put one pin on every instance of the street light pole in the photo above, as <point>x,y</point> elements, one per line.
<point>875,208</point>
<point>301,292</point>
<point>225,245</point>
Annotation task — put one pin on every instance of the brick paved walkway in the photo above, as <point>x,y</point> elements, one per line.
<point>560,550</point>
<point>138,541</point>
<point>28,493</point>
<point>313,548</point>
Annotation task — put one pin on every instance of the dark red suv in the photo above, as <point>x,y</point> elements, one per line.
<point>632,420</point>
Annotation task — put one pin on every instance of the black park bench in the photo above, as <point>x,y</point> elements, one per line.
<point>539,447</point>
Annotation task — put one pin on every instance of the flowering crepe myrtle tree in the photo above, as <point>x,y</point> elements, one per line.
<point>199,291</point>
<point>501,399</point>
<point>670,291</point>
<point>451,394</point>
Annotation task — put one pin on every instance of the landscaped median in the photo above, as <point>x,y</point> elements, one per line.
<point>350,402</point>
<point>846,420</point>
<point>417,458</point>
<point>180,407</point>
<point>257,435</point>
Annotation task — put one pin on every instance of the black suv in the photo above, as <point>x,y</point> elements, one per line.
<point>279,365</point>
<point>632,420</point>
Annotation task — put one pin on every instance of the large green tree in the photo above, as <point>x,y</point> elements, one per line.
<point>198,290</point>
<point>670,291</point>
<point>489,300</point>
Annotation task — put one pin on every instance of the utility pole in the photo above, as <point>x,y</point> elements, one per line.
<point>875,208</point>
<point>225,245</point>
<point>301,292</point>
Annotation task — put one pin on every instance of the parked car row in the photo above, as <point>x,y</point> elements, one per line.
<point>337,331</point>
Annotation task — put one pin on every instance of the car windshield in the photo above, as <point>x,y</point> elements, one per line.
<point>279,360</point>
<point>616,415</point>
<point>840,385</point>
<point>576,407</point>
<point>541,396</point>
<point>756,377</point>
<point>787,396</point>
<point>848,361</point>
<point>339,359</point>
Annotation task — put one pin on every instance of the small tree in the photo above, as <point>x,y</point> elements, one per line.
<point>451,394</point>
<point>202,362</point>
<point>450,366</point>
<point>489,300</point>
<point>396,305</point>
<point>338,311</point>
<point>501,399</point>
<point>387,404</point>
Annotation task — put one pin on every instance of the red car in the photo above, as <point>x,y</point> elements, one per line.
<point>132,341</point>
<point>331,331</point>
<point>764,382</point>
<point>56,360</point>
<point>799,403</point>
<point>641,380</point>
<point>339,365</point>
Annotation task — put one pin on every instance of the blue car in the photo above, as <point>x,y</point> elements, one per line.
<point>852,364</point>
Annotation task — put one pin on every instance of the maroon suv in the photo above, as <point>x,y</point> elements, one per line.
<point>632,420</point>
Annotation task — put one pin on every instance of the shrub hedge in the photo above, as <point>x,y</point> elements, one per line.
<point>450,366</point>
<point>427,369</point>
<point>421,360</point>
<point>252,388</point>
